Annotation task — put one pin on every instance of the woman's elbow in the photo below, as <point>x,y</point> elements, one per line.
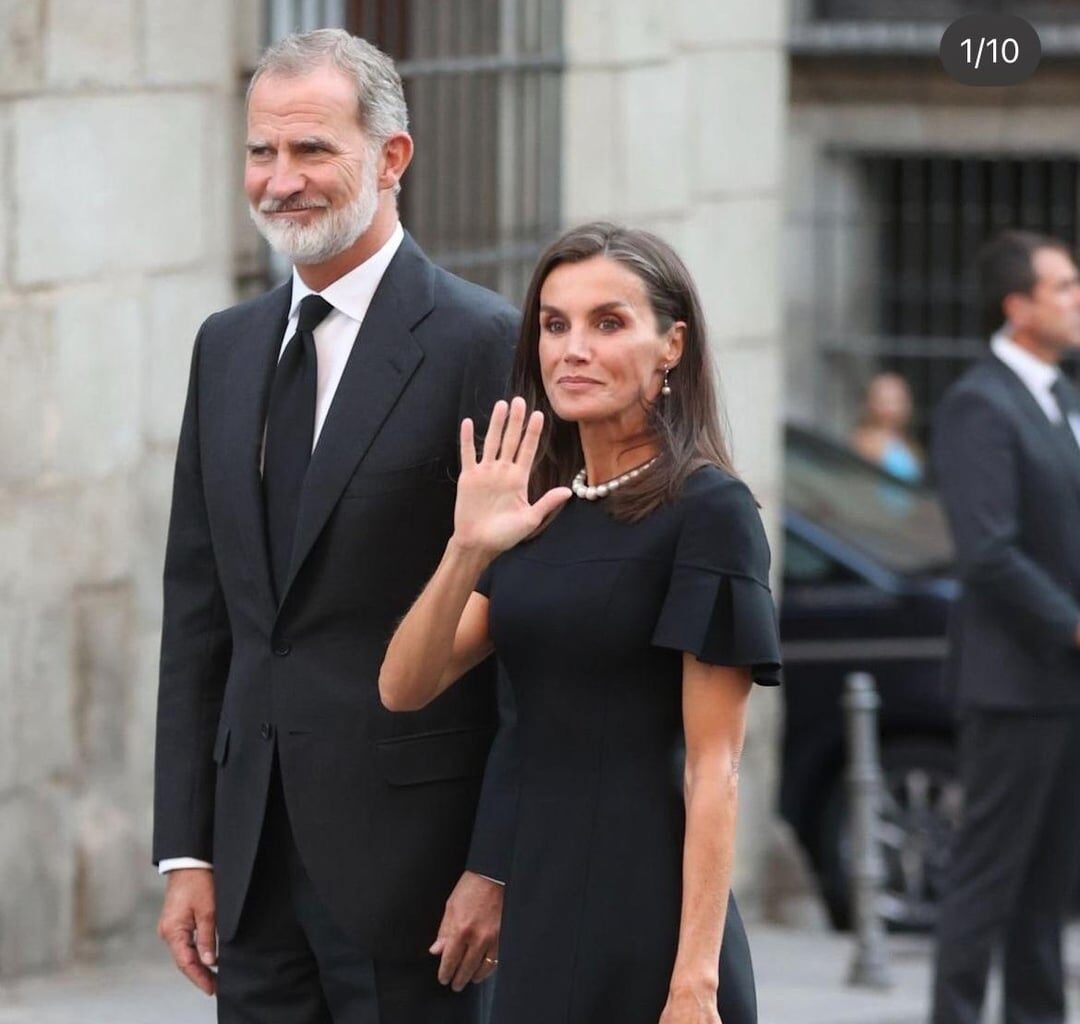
<point>394,694</point>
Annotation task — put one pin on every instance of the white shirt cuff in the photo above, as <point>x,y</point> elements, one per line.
<point>495,880</point>
<point>175,863</point>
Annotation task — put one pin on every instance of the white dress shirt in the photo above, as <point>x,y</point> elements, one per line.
<point>350,296</point>
<point>1037,376</point>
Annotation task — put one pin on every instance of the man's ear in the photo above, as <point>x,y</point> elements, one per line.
<point>395,157</point>
<point>1016,306</point>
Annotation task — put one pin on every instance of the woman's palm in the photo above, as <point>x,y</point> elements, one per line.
<point>493,511</point>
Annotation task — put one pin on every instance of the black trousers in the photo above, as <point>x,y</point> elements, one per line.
<point>290,963</point>
<point>1013,869</point>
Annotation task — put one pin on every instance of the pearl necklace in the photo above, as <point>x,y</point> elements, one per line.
<point>582,490</point>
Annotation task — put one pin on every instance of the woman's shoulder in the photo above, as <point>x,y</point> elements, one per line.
<point>713,488</point>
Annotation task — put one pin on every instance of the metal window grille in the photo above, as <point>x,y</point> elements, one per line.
<point>895,286</point>
<point>942,10</point>
<point>483,82</point>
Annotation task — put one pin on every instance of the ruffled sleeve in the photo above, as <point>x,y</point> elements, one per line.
<point>718,604</point>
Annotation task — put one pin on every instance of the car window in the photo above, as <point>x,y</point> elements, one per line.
<point>898,524</point>
<point>806,564</point>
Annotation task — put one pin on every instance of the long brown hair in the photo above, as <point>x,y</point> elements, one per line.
<point>686,425</point>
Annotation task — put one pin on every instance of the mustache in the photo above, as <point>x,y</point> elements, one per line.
<point>290,205</point>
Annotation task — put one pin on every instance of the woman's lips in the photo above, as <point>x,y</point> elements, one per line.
<point>577,383</point>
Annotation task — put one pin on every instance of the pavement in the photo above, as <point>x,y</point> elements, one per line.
<point>801,974</point>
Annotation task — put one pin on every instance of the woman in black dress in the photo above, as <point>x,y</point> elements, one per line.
<point>631,611</point>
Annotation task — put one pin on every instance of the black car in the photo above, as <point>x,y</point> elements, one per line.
<point>866,587</point>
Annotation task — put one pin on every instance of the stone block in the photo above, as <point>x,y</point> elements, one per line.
<point>708,24</point>
<point>750,384</point>
<point>20,45</point>
<point>9,635</point>
<point>37,865</point>
<point>592,163</point>
<point>610,33</point>
<point>177,304</point>
<point>5,162</point>
<point>225,130</point>
<point>25,413</point>
<point>189,43</point>
<point>151,519</point>
<point>108,868</point>
<point>140,179</point>
<point>250,20</point>
<point>738,100</point>
<point>44,693</point>
<point>99,339</point>
<point>104,625</point>
<point>141,719</point>
<point>90,42</point>
<point>653,128</point>
<point>731,250</point>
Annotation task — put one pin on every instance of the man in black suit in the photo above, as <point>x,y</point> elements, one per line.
<point>322,837</point>
<point>1008,465</point>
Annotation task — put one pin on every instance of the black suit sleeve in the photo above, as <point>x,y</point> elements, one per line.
<point>493,832</point>
<point>196,645</point>
<point>976,462</point>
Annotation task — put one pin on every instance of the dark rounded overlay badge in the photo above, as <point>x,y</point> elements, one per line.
<point>990,49</point>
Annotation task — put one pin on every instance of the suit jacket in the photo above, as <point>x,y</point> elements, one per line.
<point>382,805</point>
<point>1010,480</point>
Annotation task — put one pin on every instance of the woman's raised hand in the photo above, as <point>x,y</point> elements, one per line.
<point>493,511</point>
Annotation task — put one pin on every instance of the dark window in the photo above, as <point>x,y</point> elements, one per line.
<point>942,10</point>
<point>805,564</point>
<point>482,80</point>
<point>896,288</point>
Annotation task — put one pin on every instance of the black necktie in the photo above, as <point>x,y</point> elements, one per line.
<point>290,431</point>
<point>1068,402</point>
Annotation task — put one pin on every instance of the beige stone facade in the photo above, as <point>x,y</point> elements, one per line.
<point>122,227</point>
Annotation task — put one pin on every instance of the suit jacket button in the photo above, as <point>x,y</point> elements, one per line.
<point>266,730</point>
<point>282,648</point>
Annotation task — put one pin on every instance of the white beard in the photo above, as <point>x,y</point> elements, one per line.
<point>329,234</point>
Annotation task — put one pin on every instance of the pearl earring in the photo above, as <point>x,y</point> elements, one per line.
<point>665,388</point>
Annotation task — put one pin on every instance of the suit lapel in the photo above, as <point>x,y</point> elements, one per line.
<point>383,359</point>
<point>253,357</point>
<point>1067,451</point>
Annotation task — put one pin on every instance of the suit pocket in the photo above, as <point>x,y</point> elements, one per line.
<point>432,757</point>
<point>366,483</point>
<point>221,745</point>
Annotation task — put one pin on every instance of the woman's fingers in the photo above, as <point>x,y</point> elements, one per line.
<point>548,503</point>
<point>495,431</point>
<point>468,444</point>
<point>512,435</point>
<point>527,451</point>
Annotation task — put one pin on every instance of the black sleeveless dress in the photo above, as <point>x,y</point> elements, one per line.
<point>589,621</point>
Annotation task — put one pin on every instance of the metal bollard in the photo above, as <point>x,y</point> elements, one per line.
<point>870,966</point>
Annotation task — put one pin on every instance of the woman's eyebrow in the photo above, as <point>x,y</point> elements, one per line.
<point>604,307</point>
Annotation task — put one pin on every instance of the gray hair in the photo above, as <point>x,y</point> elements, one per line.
<point>379,95</point>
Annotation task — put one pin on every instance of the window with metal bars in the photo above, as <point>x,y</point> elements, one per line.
<point>943,10</point>
<point>482,80</point>
<point>897,291</point>
<point>483,84</point>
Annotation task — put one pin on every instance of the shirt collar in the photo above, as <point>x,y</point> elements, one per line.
<point>1037,375</point>
<point>352,293</point>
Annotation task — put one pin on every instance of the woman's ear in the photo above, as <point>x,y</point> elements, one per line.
<point>676,339</point>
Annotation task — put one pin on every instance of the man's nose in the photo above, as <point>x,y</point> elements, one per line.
<point>285,179</point>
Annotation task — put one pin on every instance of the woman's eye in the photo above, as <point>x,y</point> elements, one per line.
<point>554,326</point>
<point>610,323</point>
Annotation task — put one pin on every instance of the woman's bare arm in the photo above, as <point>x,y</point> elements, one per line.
<point>714,719</point>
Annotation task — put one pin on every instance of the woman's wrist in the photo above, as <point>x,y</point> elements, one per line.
<point>702,982</point>
<point>471,555</point>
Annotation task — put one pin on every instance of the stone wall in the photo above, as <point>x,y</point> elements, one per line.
<point>117,200</point>
<point>673,121</point>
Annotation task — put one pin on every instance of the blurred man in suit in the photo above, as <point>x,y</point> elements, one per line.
<point>1007,459</point>
<point>323,838</point>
